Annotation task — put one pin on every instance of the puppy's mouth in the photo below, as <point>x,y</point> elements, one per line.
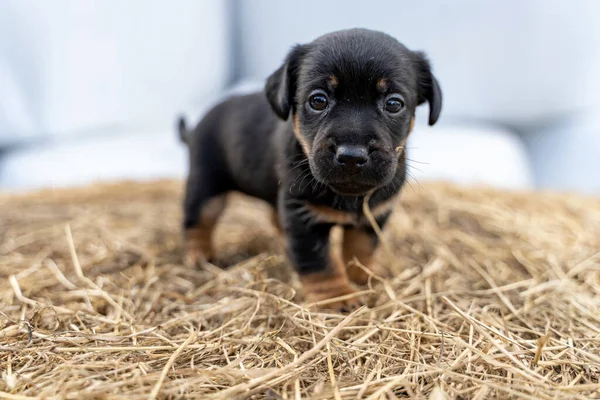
<point>352,170</point>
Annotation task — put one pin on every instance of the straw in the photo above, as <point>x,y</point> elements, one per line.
<point>496,295</point>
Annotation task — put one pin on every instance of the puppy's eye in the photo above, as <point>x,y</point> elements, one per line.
<point>394,105</point>
<point>318,102</point>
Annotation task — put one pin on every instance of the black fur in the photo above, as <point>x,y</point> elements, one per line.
<point>247,143</point>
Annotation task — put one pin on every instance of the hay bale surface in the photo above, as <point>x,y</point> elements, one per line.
<point>497,295</point>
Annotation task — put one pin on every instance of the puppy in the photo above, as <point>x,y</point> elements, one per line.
<point>329,130</point>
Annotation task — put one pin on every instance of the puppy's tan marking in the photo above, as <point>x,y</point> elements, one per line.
<point>382,85</point>
<point>359,244</point>
<point>303,142</point>
<point>329,284</point>
<point>327,214</point>
<point>198,246</point>
<point>333,82</point>
<point>198,240</point>
<point>412,125</point>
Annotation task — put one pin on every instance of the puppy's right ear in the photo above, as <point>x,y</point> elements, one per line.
<point>281,85</point>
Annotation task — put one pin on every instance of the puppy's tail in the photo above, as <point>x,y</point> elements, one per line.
<point>182,130</point>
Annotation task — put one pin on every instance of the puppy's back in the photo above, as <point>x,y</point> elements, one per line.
<point>236,136</point>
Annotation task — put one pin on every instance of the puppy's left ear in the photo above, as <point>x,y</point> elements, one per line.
<point>428,88</point>
<point>281,85</point>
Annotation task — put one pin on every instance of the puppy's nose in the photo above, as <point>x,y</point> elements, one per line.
<point>352,156</point>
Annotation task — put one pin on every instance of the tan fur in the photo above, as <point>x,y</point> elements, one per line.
<point>327,214</point>
<point>357,244</point>
<point>198,240</point>
<point>303,142</point>
<point>322,213</point>
<point>333,81</point>
<point>328,284</point>
<point>382,85</point>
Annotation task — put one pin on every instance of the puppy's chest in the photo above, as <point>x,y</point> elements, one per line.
<point>347,212</point>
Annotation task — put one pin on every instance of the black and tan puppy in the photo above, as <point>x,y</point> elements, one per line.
<point>330,131</point>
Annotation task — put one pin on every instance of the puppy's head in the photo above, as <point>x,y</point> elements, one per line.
<point>352,96</point>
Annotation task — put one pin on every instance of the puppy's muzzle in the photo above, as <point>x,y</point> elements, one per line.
<point>352,158</point>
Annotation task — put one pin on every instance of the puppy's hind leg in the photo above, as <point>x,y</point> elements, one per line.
<point>203,206</point>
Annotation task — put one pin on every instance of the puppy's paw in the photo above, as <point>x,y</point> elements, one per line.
<point>357,274</point>
<point>194,258</point>
<point>198,248</point>
<point>331,292</point>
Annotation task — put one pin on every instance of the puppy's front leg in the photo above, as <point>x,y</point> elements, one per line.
<point>323,277</point>
<point>360,243</point>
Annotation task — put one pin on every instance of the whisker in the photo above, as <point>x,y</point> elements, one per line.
<point>300,164</point>
<point>298,178</point>
<point>315,183</point>
<point>418,162</point>
<point>411,186</point>
<point>413,167</point>
<point>295,156</point>
<point>307,175</point>
<point>415,179</point>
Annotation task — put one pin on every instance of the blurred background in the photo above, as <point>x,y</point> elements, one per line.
<point>89,90</point>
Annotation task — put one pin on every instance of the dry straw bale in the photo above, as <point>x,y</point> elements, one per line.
<point>496,295</point>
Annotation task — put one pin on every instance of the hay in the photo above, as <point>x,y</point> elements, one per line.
<point>497,296</point>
